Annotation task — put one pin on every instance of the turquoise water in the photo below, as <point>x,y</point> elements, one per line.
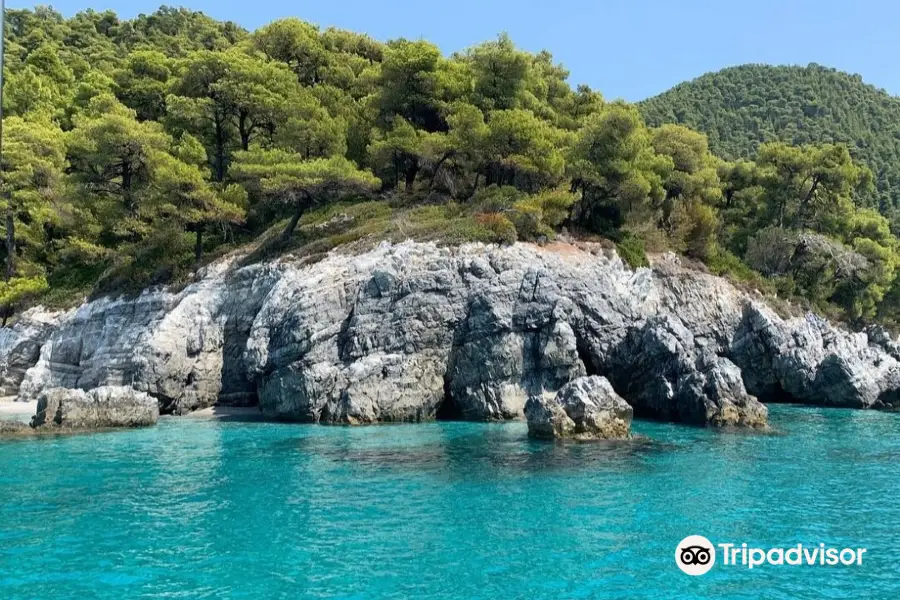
<point>199,509</point>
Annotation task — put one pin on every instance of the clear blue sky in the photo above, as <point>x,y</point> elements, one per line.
<point>624,48</point>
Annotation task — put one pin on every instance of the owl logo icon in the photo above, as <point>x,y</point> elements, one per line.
<point>695,555</point>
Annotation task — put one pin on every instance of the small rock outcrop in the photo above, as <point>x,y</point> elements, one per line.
<point>586,408</point>
<point>99,408</point>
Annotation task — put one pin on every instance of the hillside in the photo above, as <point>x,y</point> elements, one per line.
<point>739,108</point>
<point>138,151</point>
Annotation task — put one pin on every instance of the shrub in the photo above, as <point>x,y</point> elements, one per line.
<point>723,262</point>
<point>539,215</point>
<point>499,225</point>
<point>556,206</point>
<point>494,198</point>
<point>631,249</point>
<point>771,250</point>
<point>527,217</point>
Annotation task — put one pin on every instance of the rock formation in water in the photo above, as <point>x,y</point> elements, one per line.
<point>102,407</point>
<point>409,331</point>
<point>586,408</point>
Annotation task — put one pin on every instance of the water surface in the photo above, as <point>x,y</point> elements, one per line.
<point>205,509</point>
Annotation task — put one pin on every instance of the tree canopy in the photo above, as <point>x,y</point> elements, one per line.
<point>136,150</point>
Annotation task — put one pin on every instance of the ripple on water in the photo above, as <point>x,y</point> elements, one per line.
<point>202,509</point>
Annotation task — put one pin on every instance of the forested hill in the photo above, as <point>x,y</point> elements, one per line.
<point>137,151</point>
<point>742,107</point>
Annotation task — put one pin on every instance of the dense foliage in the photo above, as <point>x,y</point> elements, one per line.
<point>743,107</point>
<point>134,151</point>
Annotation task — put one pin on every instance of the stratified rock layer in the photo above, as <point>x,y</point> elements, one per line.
<point>586,408</point>
<point>403,332</point>
<point>20,346</point>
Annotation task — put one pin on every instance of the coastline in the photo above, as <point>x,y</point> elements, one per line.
<point>250,414</point>
<point>16,411</point>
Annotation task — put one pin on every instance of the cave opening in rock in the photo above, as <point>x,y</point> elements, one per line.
<point>167,405</point>
<point>448,410</point>
<point>775,394</point>
<point>585,356</point>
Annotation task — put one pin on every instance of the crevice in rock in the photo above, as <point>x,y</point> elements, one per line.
<point>593,367</point>
<point>237,389</point>
<point>584,355</point>
<point>448,410</point>
<point>344,338</point>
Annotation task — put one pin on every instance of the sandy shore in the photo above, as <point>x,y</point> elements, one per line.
<point>16,411</point>
<point>227,413</point>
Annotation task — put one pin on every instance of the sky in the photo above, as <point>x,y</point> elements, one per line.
<point>630,49</point>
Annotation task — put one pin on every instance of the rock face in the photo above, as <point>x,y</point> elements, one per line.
<point>20,346</point>
<point>409,331</point>
<point>667,374</point>
<point>181,348</point>
<point>105,406</point>
<point>585,408</point>
<point>808,360</point>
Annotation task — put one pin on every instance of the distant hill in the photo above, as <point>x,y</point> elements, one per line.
<point>741,107</point>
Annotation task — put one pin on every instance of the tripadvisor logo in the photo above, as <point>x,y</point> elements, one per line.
<point>696,555</point>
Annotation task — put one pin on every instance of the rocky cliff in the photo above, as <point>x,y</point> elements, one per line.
<point>411,331</point>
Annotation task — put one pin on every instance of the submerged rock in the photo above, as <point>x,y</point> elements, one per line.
<point>586,408</point>
<point>102,407</point>
<point>404,332</point>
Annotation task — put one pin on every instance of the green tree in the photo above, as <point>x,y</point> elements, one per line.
<point>143,83</point>
<point>615,168</point>
<point>31,198</point>
<point>182,194</point>
<point>298,45</point>
<point>286,179</point>
<point>305,126</point>
<point>741,108</point>
<point>112,158</point>
<point>409,85</point>
<point>811,187</point>
<point>500,72</point>
<point>230,98</point>
<point>521,150</point>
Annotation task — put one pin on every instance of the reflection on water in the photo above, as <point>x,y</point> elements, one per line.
<point>501,448</point>
<point>443,510</point>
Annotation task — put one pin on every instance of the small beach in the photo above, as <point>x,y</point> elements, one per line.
<point>16,411</point>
